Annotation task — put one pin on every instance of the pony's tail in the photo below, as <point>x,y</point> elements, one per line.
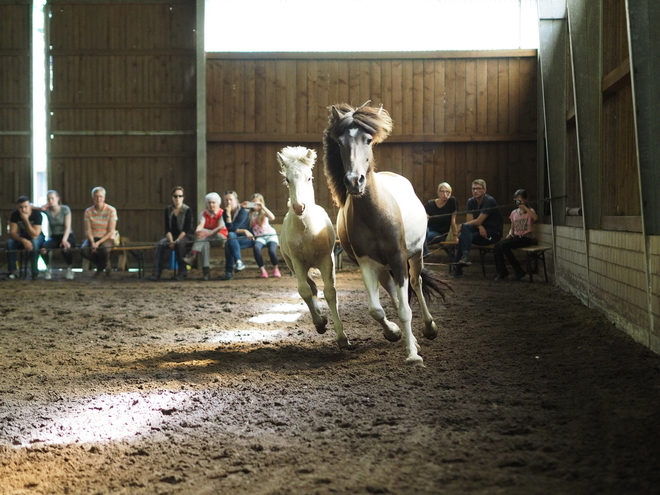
<point>433,285</point>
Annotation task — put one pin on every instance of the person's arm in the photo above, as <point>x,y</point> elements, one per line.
<point>530,211</point>
<point>32,230</point>
<point>67,231</point>
<point>88,231</point>
<point>110,232</point>
<point>241,224</point>
<point>268,213</point>
<point>187,225</point>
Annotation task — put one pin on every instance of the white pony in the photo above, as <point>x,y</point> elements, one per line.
<point>308,237</point>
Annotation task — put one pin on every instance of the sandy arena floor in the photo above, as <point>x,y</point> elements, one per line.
<point>134,387</point>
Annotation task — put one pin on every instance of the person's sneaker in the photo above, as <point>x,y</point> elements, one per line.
<point>263,274</point>
<point>12,276</point>
<point>69,274</point>
<point>207,273</point>
<point>227,276</point>
<point>49,274</point>
<point>465,261</point>
<point>501,276</point>
<point>240,266</point>
<point>190,259</point>
<point>276,272</point>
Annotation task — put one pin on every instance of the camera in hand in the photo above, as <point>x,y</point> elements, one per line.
<point>517,201</point>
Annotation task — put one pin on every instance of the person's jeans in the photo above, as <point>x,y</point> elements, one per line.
<point>433,237</point>
<point>272,253</point>
<point>233,248</point>
<point>13,246</point>
<point>470,235</point>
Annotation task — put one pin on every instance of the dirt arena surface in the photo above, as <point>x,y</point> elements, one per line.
<point>134,387</point>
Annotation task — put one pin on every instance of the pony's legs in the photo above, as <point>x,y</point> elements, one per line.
<point>308,291</point>
<point>327,268</point>
<point>386,280</point>
<point>416,264</point>
<point>370,276</point>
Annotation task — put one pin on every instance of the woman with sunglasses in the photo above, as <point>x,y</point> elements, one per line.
<point>441,214</point>
<point>178,233</point>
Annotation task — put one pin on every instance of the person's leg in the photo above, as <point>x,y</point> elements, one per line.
<point>272,253</point>
<point>180,250</point>
<point>432,237</point>
<point>161,247</point>
<point>465,240</point>
<point>47,246</point>
<point>12,247</point>
<point>34,256</point>
<point>87,253</point>
<point>67,254</point>
<point>499,252</point>
<point>257,247</point>
<point>103,256</point>
<point>231,247</point>
<point>516,243</point>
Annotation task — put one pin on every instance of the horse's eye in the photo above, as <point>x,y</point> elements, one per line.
<point>369,140</point>
<point>309,178</point>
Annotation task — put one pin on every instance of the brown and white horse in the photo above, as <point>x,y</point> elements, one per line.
<point>381,222</point>
<point>308,238</point>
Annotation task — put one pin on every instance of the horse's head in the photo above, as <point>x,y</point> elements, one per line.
<point>350,136</point>
<point>296,164</point>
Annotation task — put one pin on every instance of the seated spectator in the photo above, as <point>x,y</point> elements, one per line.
<point>100,224</point>
<point>520,235</point>
<point>441,214</point>
<point>239,236</point>
<point>24,234</point>
<point>61,233</point>
<point>211,230</point>
<point>264,233</point>
<point>178,233</point>
<point>482,229</point>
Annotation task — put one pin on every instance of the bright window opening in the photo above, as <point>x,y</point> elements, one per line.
<point>368,26</point>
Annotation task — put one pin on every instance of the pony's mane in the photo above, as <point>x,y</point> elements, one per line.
<point>292,154</point>
<point>375,121</point>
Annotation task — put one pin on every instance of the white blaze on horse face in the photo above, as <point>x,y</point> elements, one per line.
<point>356,154</point>
<point>301,190</point>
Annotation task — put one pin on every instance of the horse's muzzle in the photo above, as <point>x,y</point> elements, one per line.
<point>299,208</point>
<point>355,183</point>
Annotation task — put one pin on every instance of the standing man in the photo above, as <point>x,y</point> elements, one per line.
<point>100,224</point>
<point>24,233</point>
<point>483,225</point>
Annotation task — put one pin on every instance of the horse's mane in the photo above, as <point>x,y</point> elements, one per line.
<point>292,154</point>
<point>375,121</point>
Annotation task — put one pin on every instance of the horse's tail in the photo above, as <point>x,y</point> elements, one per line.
<point>433,285</point>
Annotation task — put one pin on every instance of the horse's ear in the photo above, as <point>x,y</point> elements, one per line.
<point>336,114</point>
<point>364,104</point>
<point>311,156</point>
<point>280,160</point>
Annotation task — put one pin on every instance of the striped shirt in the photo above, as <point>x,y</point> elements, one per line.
<point>99,221</point>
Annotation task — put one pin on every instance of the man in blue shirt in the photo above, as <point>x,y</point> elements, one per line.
<point>483,225</point>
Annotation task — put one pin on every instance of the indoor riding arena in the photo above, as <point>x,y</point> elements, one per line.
<point>111,382</point>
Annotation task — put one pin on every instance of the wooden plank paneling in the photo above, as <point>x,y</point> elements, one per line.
<point>123,106</point>
<point>15,104</point>
<point>447,117</point>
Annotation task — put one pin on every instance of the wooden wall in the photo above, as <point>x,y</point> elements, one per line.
<point>123,107</point>
<point>458,116</point>
<point>15,104</point>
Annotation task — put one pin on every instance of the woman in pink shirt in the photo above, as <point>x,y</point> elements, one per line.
<point>520,235</point>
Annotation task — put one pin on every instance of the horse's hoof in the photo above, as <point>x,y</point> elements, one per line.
<point>392,333</point>
<point>430,330</point>
<point>320,328</point>
<point>415,361</point>
<point>345,344</point>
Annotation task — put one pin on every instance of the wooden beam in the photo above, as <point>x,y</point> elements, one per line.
<point>444,54</point>
<point>616,78</point>
<point>234,137</point>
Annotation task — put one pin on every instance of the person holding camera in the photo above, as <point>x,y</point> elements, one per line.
<point>520,235</point>
<point>264,233</point>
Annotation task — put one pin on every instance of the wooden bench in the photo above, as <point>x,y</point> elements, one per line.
<point>533,255</point>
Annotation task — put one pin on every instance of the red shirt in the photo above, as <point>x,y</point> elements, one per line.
<point>211,222</point>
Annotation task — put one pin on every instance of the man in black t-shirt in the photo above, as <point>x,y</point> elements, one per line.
<point>483,225</point>
<point>24,233</point>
